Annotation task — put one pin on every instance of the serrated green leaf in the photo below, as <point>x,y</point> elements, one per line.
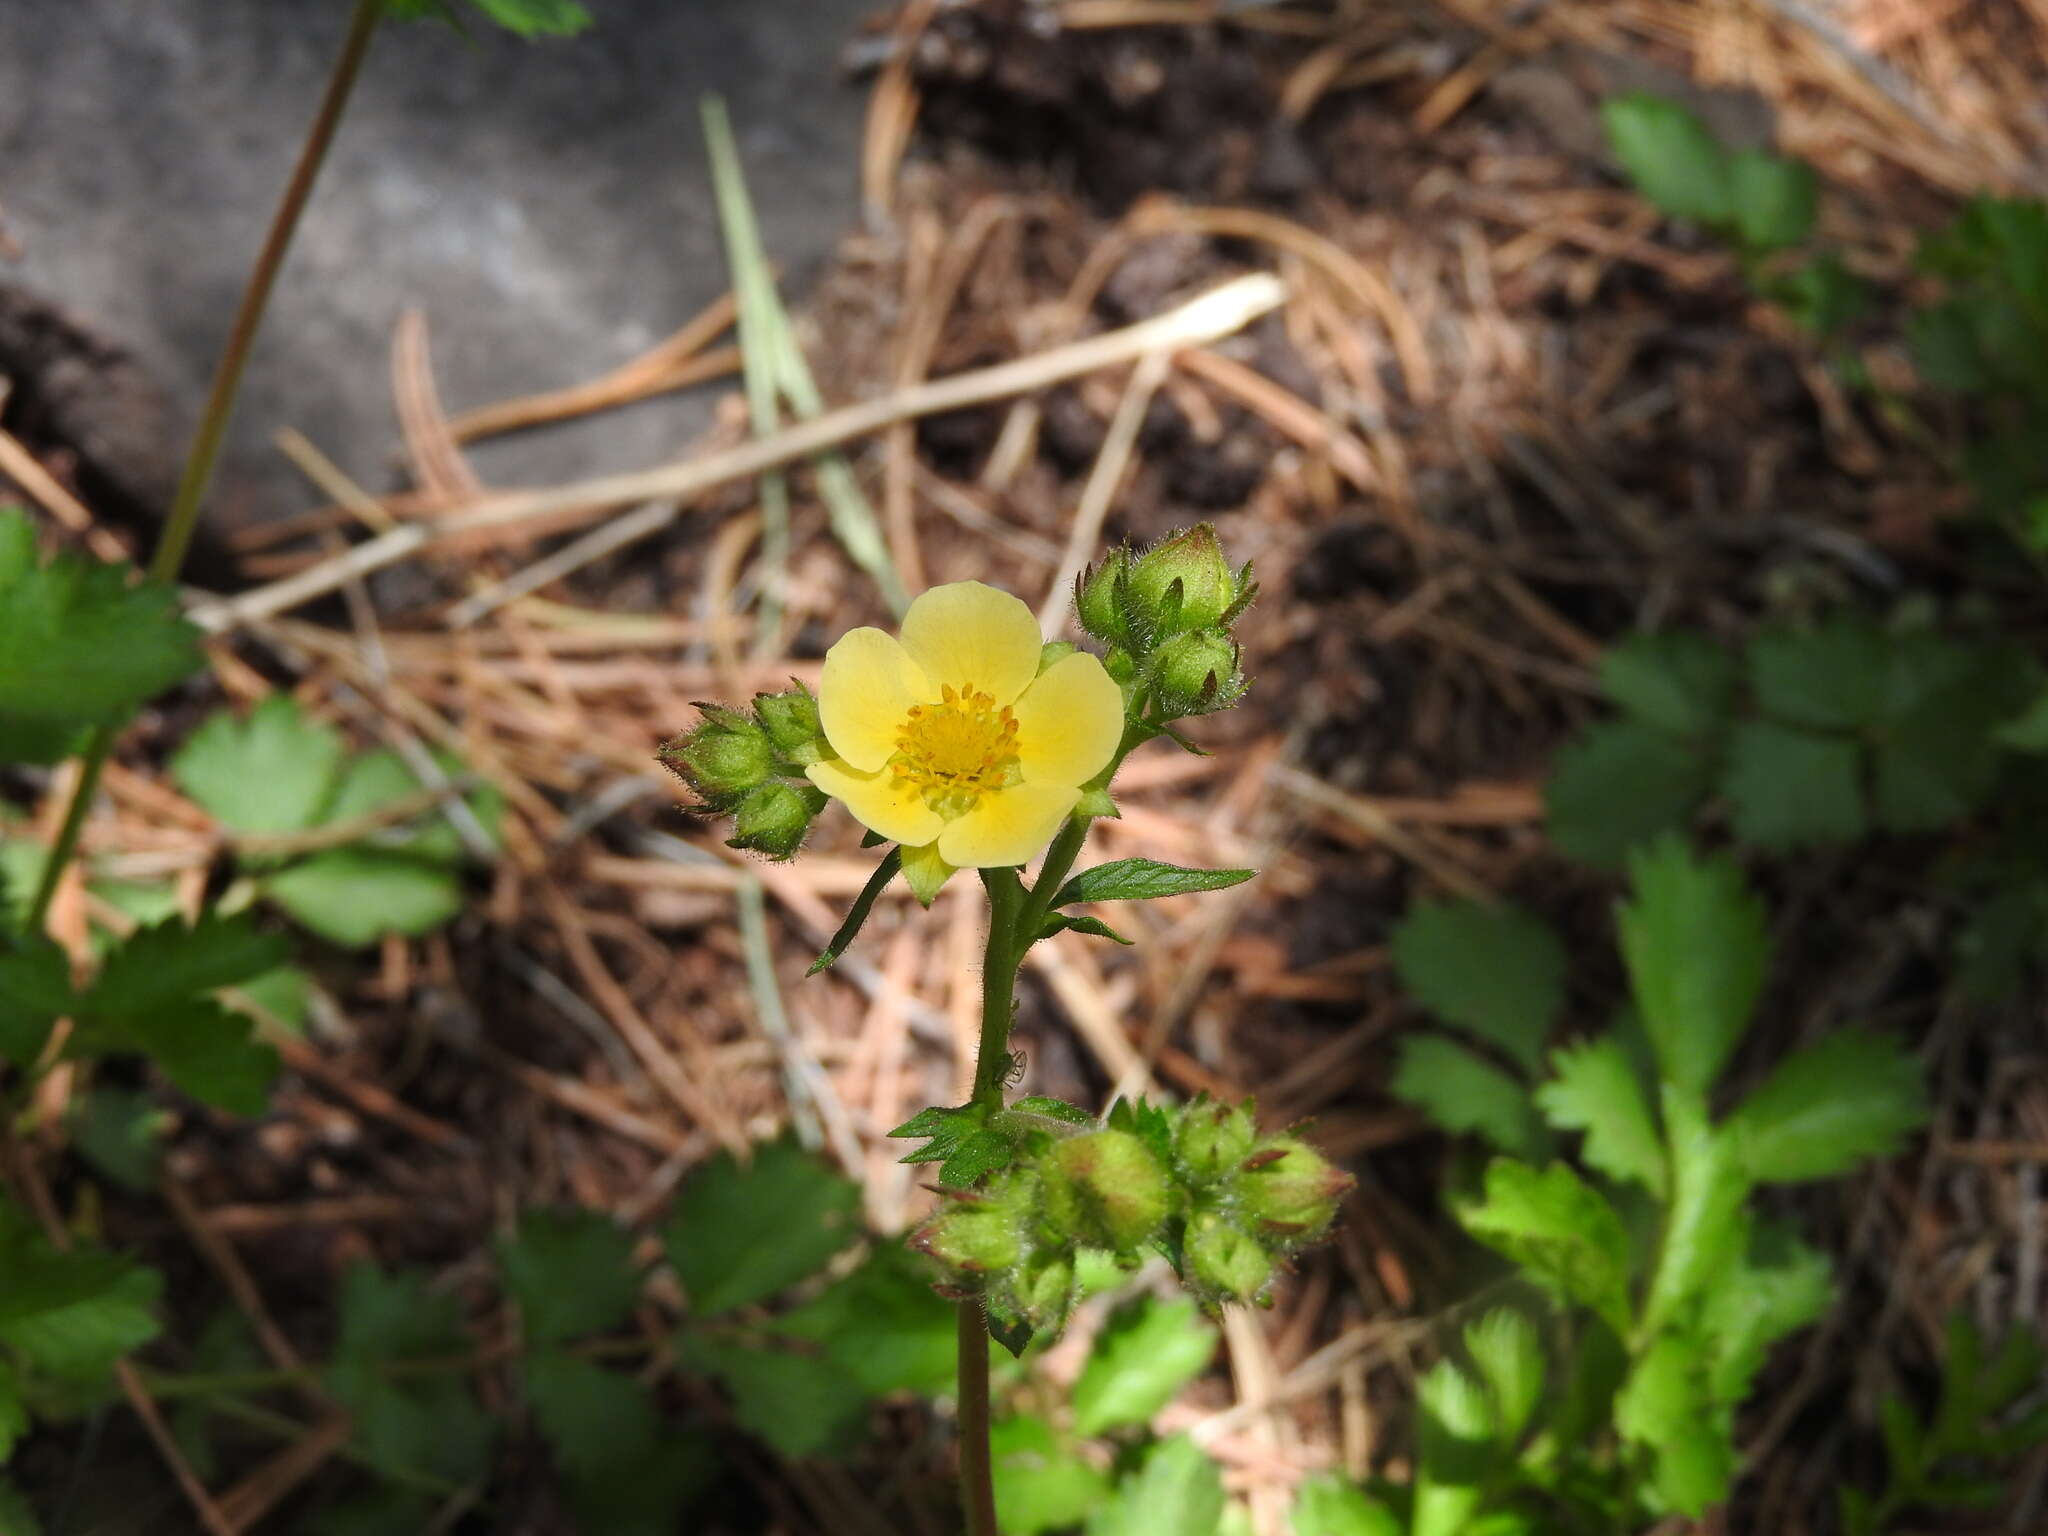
<point>1560,1230</point>
<point>1938,751</point>
<point>35,991</point>
<point>1494,971</point>
<point>1829,677</point>
<point>374,780</point>
<point>117,1130</point>
<point>1327,1505</point>
<point>420,1423</point>
<point>1041,1485</point>
<point>1509,1357</point>
<point>1595,1089</point>
<point>1620,785</point>
<point>1454,1447</point>
<point>1781,1286</point>
<point>1790,788</point>
<point>1144,880</point>
<point>596,1421</point>
<point>355,896</point>
<point>1177,1492</point>
<point>24,740</point>
<point>883,1324</point>
<point>1706,1228</point>
<point>1849,1097</point>
<point>572,1273</point>
<point>206,1051</point>
<point>283,994</point>
<point>1775,199</point>
<point>1068,922</point>
<point>1148,1351</point>
<point>802,1405</point>
<point>108,1311</point>
<point>1052,1109</point>
<point>1465,1094</point>
<point>974,1157</point>
<point>1680,682</point>
<point>739,1235</point>
<point>1664,1408</point>
<point>1822,296</point>
<point>78,644</point>
<point>274,772</point>
<point>1697,945</point>
<point>1671,157</point>
<point>171,962</point>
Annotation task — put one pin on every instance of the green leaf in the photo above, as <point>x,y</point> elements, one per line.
<point>883,1324</point>
<point>1671,157</point>
<point>1068,922</point>
<point>1706,1227</point>
<point>1144,880</point>
<point>1789,788</point>
<point>1596,1090</point>
<point>1327,1505</point>
<point>16,1517</point>
<point>283,994</point>
<point>109,1310</point>
<point>857,914</point>
<point>802,1405</point>
<point>1504,1346</point>
<point>740,1235</point>
<point>1494,971</point>
<point>1664,1407</point>
<point>117,1131</point>
<point>1560,1230</point>
<point>1177,1492</point>
<point>1621,784</point>
<point>1454,1449</point>
<point>1697,946</point>
<point>382,778</point>
<point>13,1415</point>
<point>170,963</point>
<point>1148,1351</point>
<point>78,644</point>
<point>1682,682</point>
<point>1849,1097</point>
<point>25,740</point>
<point>421,1423</point>
<point>1465,1094</point>
<point>355,896</point>
<point>35,991</point>
<point>597,1421</point>
<point>1831,677</point>
<point>1938,752</point>
<point>1041,1485</point>
<point>572,1273</point>
<point>206,1051</point>
<point>1822,296</point>
<point>1775,199</point>
<point>528,18</point>
<point>1781,1287</point>
<point>2029,731</point>
<point>274,772</point>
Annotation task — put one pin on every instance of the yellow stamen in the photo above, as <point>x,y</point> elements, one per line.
<point>956,750</point>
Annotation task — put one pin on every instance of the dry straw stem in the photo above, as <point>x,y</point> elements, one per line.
<point>1212,316</point>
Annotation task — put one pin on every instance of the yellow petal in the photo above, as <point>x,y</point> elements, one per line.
<point>1069,722</point>
<point>974,638</point>
<point>880,802</point>
<point>869,684</point>
<point>1007,826</point>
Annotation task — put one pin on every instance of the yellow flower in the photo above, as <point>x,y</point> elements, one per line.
<point>951,741</point>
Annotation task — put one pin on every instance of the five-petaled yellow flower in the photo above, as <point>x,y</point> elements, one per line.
<point>951,741</point>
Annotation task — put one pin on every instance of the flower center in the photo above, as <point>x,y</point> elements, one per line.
<point>956,750</point>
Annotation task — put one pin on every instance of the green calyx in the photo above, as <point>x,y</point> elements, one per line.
<point>1183,583</point>
<point>1104,1189</point>
<point>791,721</point>
<point>1212,1138</point>
<point>1224,1263</point>
<point>724,759</point>
<point>1289,1191</point>
<point>775,818</point>
<point>980,1232</point>
<point>1198,673</point>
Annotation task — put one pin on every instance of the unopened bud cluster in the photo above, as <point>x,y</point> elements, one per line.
<point>749,765</point>
<point>1166,616</point>
<point>1224,1203</point>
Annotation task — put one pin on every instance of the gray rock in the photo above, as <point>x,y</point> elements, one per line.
<point>545,204</point>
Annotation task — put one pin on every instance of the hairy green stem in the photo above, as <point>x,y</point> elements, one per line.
<point>977,1472</point>
<point>1004,953</point>
<point>183,519</point>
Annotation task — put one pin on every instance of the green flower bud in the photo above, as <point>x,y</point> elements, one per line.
<point>1289,1190</point>
<point>979,1232</point>
<point>1042,1291</point>
<point>775,818</point>
<point>1226,1263</point>
<point>1099,596</point>
<point>725,759</point>
<point>1198,673</point>
<point>791,720</point>
<point>1183,583</point>
<point>1212,1138</point>
<point>1105,1189</point>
